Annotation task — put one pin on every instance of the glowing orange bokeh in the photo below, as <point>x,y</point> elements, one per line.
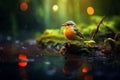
<point>85,70</point>
<point>22,64</point>
<point>22,57</point>
<point>22,60</point>
<point>90,10</point>
<point>23,6</point>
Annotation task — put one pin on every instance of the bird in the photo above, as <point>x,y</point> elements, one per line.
<point>71,32</point>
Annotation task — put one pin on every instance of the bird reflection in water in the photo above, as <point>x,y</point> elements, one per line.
<point>75,68</point>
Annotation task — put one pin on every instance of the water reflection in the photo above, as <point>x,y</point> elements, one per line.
<point>22,60</point>
<point>26,62</point>
<point>59,68</point>
<point>46,68</point>
<point>76,68</point>
<point>23,74</point>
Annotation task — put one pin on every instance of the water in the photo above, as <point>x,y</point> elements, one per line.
<point>59,68</point>
<point>44,68</point>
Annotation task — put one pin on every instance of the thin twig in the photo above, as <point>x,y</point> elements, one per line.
<point>97,29</point>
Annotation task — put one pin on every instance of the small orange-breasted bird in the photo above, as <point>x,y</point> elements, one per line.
<point>71,32</point>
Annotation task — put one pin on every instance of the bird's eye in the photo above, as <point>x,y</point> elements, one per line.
<point>70,24</point>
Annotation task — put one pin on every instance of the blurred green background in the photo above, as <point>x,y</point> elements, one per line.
<point>25,19</point>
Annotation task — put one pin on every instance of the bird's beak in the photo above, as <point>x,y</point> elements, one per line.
<point>64,24</point>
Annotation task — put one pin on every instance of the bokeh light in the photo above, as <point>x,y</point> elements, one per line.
<point>55,7</point>
<point>22,60</point>
<point>85,69</point>
<point>24,6</point>
<point>90,10</point>
<point>22,56</point>
<point>22,64</point>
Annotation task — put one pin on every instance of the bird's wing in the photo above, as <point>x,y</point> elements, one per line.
<point>78,32</point>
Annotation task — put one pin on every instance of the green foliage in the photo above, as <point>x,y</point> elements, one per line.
<point>54,35</point>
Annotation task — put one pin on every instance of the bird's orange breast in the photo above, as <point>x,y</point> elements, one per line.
<point>69,33</point>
